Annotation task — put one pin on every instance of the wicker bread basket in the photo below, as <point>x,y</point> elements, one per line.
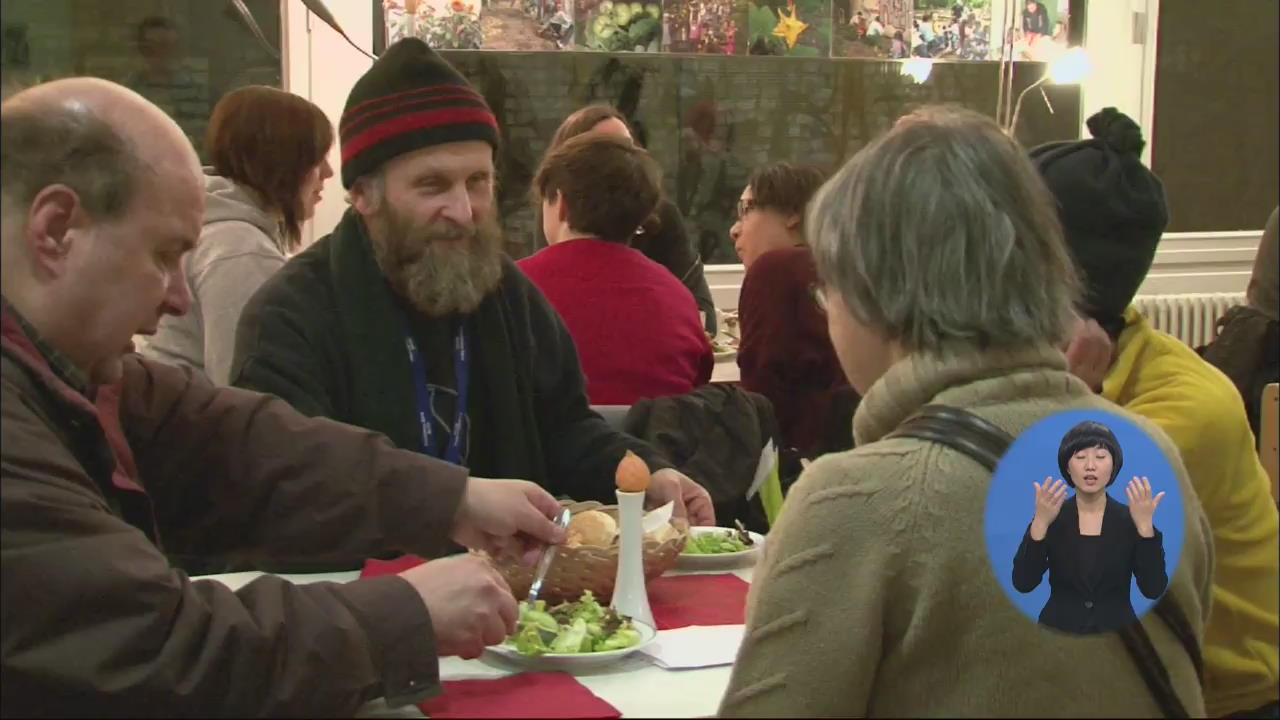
<point>590,567</point>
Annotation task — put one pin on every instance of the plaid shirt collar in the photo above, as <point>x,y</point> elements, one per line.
<point>61,365</point>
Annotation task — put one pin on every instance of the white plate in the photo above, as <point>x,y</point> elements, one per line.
<point>724,560</point>
<point>569,662</point>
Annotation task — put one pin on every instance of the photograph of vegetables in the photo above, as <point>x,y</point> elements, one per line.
<point>702,26</point>
<point>795,28</point>
<point>618,26</point>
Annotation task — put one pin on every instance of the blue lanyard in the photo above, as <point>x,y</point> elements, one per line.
<point>426,396</point>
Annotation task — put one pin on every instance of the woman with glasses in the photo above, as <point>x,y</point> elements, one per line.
<point>784,352</point>
<point>947,282</point>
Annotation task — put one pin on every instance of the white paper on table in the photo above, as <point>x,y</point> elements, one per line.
<point>697,646</point>
<point>768,459</point>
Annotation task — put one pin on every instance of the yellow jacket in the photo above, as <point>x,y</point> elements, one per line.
<point>1160,378</point>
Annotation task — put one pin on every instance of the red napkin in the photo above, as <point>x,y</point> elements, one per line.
<point>374,568</point>
<point>528,695</point>
<point>684,600</point>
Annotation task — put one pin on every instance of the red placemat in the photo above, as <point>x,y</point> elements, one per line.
<point>683,600</point>
<point>528,695</point>
<point>374,568</point>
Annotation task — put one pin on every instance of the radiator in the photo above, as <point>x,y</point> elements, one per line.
<point>1189,317</point>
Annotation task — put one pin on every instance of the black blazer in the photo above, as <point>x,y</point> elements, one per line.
<point>1098,603</point>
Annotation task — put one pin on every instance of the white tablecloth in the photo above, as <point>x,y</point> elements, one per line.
<point>726,371</point>
<point>636,687</point>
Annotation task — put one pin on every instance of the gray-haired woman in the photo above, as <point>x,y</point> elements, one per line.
<point>946,282</point>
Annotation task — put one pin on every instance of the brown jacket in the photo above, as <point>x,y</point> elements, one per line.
<point>96,621</point>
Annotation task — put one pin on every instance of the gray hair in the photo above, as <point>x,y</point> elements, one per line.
<point>66,144</point>
<point>942,235</point>
<point>374,185</point>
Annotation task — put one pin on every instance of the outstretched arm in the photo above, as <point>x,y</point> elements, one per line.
<point>233,471</point>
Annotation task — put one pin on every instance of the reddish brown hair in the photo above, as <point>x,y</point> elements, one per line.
<point>268,140</point>
<point>608,185</point>
<point>584,120</point>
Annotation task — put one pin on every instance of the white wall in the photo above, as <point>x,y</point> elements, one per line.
<point>320,66</point>
<point>1121,42</point>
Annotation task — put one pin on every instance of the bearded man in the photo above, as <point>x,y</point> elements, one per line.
<point>409,320</point>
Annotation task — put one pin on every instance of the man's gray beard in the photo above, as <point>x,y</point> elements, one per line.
<point>441,268</point>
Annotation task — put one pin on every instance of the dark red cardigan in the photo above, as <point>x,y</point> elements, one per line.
<point>785,352</point>
<point>635,325</point>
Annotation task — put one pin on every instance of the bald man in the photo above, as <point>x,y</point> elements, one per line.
<point>110,460</point>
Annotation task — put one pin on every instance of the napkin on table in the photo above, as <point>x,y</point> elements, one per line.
<point>682,600</point>
<point>527,695</point>
<point>696,646</point>
<point>374,568</point>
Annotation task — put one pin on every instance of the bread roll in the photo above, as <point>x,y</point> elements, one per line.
<point>592,528</point>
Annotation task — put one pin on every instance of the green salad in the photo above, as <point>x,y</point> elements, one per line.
<point>572,628</point>
<point>719,543</point>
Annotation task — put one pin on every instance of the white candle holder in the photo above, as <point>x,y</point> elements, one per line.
<point>630,596</point>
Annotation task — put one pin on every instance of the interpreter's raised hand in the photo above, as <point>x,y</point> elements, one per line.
<point>692,501</point>
<point>1049,499</point>
<point>508,519</point>
<point>1089,353</point>
<point>1142,506</point>
<point>469,603</point>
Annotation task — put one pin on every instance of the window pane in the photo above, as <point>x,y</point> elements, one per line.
<point>710,120</point>
<point>1216,113</point>
<point>182,55</point>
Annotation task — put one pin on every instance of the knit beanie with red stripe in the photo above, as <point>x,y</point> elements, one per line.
<point>410,99</point>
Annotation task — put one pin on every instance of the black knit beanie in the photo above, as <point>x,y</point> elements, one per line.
<point>410,99</point>
<point>1112,209</point>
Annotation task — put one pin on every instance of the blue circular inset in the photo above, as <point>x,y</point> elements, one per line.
<point>1011,505</point>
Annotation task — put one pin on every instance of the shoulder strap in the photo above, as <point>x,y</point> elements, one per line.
<point>959,430</point>
<point>986,443</point>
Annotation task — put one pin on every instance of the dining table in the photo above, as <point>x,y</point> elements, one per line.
<point>726,370</point>
<point>635,685</point>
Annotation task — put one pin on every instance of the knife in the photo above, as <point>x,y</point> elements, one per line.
<point>544,563</point>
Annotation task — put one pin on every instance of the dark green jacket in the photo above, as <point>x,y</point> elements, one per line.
<point>325,334</point>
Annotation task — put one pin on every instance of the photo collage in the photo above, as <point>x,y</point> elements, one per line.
<point>872,29</point>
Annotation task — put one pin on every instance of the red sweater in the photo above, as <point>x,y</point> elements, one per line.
<point>785,352</point>
<point>636,326</point>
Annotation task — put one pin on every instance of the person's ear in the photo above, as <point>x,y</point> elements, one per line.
<point>363,200</point>
<point>53,221</point>
<point>793,222</point>
<point>561,207</point>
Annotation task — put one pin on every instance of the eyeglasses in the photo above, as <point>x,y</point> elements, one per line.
<point>745,206</point>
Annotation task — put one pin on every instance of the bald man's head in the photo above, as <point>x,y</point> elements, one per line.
<point>102,197</point>
<point>97,138</point>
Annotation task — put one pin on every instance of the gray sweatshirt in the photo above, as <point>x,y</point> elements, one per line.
<point>239,249</point>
